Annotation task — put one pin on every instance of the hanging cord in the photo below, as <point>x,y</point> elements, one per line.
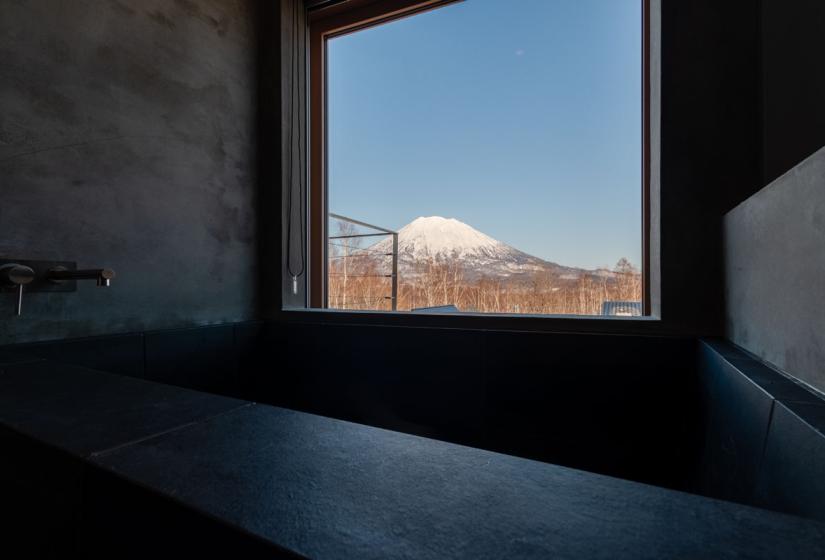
<point>298,47</point>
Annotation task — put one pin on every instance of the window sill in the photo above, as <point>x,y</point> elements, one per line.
<point>647,325</point>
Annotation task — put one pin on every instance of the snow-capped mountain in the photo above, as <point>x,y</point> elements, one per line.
<point>447,240</point>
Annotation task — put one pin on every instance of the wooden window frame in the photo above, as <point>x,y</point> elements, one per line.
<point>334,19</point>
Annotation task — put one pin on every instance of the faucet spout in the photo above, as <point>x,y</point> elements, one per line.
<point>101,276</point>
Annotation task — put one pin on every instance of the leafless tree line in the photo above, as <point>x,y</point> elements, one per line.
<point>359,280</point>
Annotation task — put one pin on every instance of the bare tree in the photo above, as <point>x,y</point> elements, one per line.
<point>363,284</point>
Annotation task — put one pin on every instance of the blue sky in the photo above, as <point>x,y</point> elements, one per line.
<point>521,118</point>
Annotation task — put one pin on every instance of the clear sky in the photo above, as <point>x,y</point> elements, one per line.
<point>521,118</point>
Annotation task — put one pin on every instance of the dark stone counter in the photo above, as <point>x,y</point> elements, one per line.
<point>83,411</point>
<point>105,465</point>
<point>331,489</point>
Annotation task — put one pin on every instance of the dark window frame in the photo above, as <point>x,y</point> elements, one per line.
<point>334,19</point>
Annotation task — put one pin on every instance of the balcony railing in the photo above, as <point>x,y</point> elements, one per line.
<point>344,247</point>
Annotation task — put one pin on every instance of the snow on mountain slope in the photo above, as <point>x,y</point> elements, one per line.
<point>437,236</point>
<point>446,240</point>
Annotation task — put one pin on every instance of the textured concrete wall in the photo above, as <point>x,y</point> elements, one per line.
<point>775,272</point>
<point>127,140</point>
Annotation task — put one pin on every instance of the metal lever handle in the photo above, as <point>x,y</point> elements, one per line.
<point>17,276</point>
<point>19,310</point>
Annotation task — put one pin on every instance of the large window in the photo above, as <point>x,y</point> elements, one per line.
<point>487,156</point>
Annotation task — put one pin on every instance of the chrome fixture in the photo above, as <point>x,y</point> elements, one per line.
<point>101,276</point>
<point>46,276</point>
<point>15,275</point>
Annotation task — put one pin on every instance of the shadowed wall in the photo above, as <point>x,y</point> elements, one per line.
<point>774,270</point>
<point>793,83</point>
<point>127,141</point>
<point>774,262</point>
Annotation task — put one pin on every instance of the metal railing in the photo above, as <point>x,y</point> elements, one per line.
<point>360,252</point>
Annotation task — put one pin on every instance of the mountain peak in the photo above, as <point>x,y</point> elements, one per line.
<point>437,235</point>
<point>434,220</point>
<point>447,240</point>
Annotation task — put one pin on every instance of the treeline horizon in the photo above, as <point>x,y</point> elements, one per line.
<point>363,283</point>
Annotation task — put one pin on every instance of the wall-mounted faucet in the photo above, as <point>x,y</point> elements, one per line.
<point>46,276</point>
<point>15,275</point>
<point>101,276</point>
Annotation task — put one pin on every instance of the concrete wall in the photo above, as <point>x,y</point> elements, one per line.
<point>774,261</point>
<point>775,272</point>
<point>127,141</point>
